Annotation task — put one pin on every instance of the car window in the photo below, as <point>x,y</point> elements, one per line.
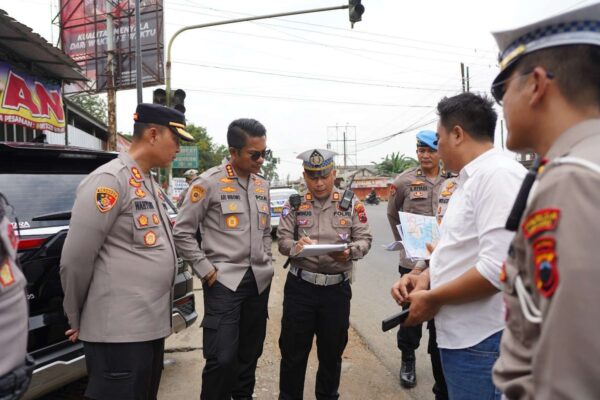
<point>32,195</point>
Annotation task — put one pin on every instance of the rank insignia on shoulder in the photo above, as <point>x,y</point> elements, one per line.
<point>136,174</point>
<point>229,170</point>
<point>150,238</point>
<point>546,270</point>
<point>228,189</point>
<point>106,198</point>
<point>140,193</point>
<point>308,197</point>
<point>419,172</point>
<point>232,221</point>
<point>143,220</point>
<point>226,180</point>
<point>257,182</point>
<point>542,220</point>
<point>336,196</point>
<point>155,219</point>
<point>6,275</point>
<point>197,193</point>
<point>134,183</point>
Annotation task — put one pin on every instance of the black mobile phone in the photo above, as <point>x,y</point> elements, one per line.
<point>394,320</point>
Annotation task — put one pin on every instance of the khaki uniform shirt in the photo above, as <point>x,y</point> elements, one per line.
<point>326,223</point>
<point>413,192</point>
<point>13,304</point>
<point>234,219</point>
<point>118,263</point>
<point>555,254</point>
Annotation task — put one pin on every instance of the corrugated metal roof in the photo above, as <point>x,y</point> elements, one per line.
<point>21,45</point>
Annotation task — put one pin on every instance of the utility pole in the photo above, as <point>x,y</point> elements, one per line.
<point>502,132</point>
<point>111,94</point>
<point>344,144</point>
<point>462,74</point>
<point>138,53</point>
<point>468,80</point>
<point>345,150</point>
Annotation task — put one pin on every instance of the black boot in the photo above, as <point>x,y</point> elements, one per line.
<point>408,374</point>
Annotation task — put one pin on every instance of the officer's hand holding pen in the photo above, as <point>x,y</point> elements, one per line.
<point>304,240</point>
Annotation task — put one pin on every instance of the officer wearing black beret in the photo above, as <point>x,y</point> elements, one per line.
<point>118,263</point>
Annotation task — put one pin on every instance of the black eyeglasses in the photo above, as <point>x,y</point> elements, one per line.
<point>255,155</point>
<point>499,88</point>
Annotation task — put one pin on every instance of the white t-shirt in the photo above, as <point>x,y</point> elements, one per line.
<point>473,234</point>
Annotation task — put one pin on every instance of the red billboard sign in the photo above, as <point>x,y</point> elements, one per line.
<point>84,38</point>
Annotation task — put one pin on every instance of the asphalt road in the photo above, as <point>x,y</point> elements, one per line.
<point>372,302</point>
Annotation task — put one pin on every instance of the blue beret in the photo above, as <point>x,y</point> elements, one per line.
<point>427,139</point>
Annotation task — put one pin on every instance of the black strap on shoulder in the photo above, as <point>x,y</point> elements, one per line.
<point>512,222</point>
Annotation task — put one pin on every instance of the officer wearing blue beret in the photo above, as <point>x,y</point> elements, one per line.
<point>416,191</point>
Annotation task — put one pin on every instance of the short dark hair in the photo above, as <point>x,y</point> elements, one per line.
<point>240,129</point>
<point>575,70</point>
<point>474,113</point>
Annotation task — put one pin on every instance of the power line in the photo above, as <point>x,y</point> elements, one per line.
<point>315,78</point>
<point>345,30</point>
<point>302,99</point>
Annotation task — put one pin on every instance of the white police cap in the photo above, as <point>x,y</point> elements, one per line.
<point>317,162</point>
<point>577,26</point>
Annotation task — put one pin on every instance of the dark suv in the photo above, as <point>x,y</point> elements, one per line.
<point>40,182</point>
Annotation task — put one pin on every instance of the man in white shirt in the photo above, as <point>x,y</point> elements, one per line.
<point>464,272</point>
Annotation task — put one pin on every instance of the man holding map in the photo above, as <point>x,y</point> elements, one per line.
<point>464,269</point>
<point>416,191</point>
<point>317,290</point>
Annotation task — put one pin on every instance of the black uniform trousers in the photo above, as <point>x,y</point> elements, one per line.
<point>234,328</point>
<point>310,310</point>
<point>124,371</point>
<point>408,337</point>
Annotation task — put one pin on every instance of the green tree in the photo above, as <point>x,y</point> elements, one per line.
<point>269,168</point>
<point>93,104</point>
<point>394,164</point>
<point>209,153</point>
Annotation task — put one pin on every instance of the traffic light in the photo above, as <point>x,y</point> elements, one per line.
<point>159,96</point>
<point>177,101</point>
<point>355,11</point>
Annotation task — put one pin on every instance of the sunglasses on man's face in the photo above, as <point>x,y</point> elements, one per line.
<point>255,155</point>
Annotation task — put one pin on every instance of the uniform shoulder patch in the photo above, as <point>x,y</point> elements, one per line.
<point>106,198</point>
<point>546,270</point>
<point>361,212</point>
<point>543,220</point>
<point>6,275</point>
<point>197,193</point>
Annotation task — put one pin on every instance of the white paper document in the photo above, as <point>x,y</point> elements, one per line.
<point>417,230</point>
<point>311,250</point>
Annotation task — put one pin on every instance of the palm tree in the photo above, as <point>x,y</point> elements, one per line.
<point>394,164</point>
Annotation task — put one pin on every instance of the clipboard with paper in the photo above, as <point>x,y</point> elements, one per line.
<point>311,250</point>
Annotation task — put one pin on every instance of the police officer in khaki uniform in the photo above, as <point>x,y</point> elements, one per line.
<point>229,204</point>
<point>549,86</point>
<point>118,262</point>
<point>15,369</point>
<point>416,191</point>
<point>317,290</point>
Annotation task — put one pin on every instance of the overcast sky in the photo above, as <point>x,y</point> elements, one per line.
<point>303,75</point>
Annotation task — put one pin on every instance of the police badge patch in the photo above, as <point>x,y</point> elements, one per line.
<point>106,198</point>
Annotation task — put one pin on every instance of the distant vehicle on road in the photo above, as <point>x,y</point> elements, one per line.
<point>278,198</point>
<point>40,182</point>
